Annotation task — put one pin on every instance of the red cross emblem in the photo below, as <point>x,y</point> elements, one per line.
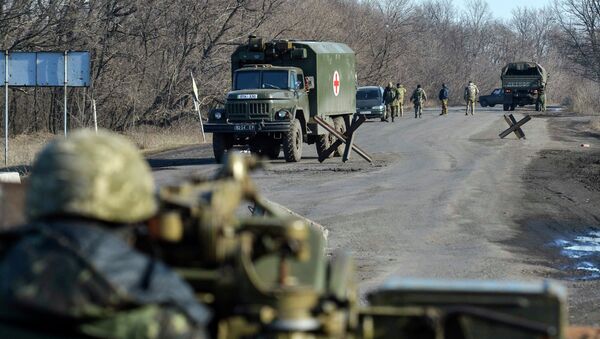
<point>336,83</point>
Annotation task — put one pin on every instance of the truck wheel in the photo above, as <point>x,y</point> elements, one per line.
<point>292,142</point>
<point>506,107</point>
<point>340,126</point>
<point>323,143</point>
<point>222,143</point>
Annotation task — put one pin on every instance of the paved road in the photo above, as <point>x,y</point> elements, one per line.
<point>439,202</point>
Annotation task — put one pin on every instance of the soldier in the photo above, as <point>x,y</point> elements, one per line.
<point>418,98</point>
<point>400,90</point>
<point>443,96</point>
<point>542,100</point>
<point>471,93</point>
<point>71,270</point>
<point>389,96</point>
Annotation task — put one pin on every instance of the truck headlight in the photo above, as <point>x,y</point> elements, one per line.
<point>282,114</point>
<point>378,107</point>
<point>218,115</point>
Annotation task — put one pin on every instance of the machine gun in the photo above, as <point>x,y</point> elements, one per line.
<point>267,275</point>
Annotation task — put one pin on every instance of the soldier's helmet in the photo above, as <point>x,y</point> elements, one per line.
<point>390,84</point>
<point>102,177</point>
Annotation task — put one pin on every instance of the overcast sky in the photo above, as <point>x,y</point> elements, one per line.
<point>502,8</point>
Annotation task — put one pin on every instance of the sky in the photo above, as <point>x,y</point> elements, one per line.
<point>502,8</point>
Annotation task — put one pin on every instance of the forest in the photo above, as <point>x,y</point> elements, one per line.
<point>144,51</point>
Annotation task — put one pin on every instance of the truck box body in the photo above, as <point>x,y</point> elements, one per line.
<point>521,83</point>
<point>321,62</point>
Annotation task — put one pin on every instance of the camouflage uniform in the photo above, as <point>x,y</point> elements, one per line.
<point>400,92</point>
<point>443,96</point>
<point>389,96</point>
<point>418,97</point>
<point>542,100</point>
<point>471,93</point>
<point>71,271</point>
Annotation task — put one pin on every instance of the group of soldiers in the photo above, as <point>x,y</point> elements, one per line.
<point>393,98</point>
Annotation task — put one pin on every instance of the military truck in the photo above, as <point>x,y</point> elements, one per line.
<point>278,87</point>
<point>522,83</point>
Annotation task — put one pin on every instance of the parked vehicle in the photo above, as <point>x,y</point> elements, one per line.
<point>521,83</point>
<point>493,99</point>
<point>277,89</point>
<point>369,102</point>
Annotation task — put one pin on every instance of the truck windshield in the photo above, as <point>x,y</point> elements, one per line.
<point>366,94</point>
<point>261,79</point>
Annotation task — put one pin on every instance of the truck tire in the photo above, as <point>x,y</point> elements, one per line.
<point>292,142</point>
<point>222,143</point>
<point>323,143</point>
<point>340,126</point>
<point>506,107</point>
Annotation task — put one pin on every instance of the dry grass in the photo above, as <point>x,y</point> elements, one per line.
<point>24,147</point>
<point>154,139</point>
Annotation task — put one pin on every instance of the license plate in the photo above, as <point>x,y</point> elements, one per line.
<point>365,112</point>
<point>244,127</point>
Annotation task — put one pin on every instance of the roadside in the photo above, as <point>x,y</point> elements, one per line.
<point>150,140</point>
<point>560,215</point>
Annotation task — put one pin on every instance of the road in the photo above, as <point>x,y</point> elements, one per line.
<point>444,198</point>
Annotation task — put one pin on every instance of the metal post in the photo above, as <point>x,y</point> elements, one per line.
<point>6,108</point>
<point>94,113</point>
<point>65,94</point>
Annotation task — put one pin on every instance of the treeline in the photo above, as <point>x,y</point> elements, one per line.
<point>143,51</point>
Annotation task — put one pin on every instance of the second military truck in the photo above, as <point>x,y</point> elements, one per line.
<point>278,87</point>
<point>523,83</point>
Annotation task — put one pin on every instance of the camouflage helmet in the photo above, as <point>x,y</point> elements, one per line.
<point>100,176</point>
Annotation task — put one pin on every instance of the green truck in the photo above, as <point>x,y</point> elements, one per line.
<point>278,87</point>
<point>522,84</point>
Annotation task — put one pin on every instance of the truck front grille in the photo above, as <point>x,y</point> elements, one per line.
<point>247,110</point>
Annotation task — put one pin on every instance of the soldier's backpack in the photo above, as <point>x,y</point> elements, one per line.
<point>470,93</point>
<point>418,95</point>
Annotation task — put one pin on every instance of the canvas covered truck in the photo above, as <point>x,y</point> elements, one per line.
<point>278,87</point>
<point>522,83</point>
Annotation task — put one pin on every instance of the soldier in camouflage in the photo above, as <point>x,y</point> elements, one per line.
<point>71,271</point>
<point>418,98</point>
<point>389,97</point>
<point>541,104</point>
<point>400,91</point>
<point>471,93</point>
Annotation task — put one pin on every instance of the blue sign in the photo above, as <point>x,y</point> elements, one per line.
<point>21,69</point>
<point>78,69</point>
<point>27,69</point>
<point>2,68</point>
<point>50,69</point>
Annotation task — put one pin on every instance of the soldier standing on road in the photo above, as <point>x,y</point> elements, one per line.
<point>418,98</point>
<point>400,92</point>
<point>471,93</point>
<point>542,99</point>
<point>71,270</point>
<point>443,96</point>
<point>389,96</point>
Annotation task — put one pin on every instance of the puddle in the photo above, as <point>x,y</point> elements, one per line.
<point>583,254</point>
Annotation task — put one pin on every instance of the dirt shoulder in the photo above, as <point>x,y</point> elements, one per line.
<point>560,217</point>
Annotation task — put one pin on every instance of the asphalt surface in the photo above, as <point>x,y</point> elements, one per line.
<point>445,198</point>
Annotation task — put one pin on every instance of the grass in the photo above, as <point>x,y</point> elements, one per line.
<point>24,147</point>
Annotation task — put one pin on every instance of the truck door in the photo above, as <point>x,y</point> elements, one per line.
<point>297,84</point>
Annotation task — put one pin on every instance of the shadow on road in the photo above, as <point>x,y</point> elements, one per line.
<point>161,163</point>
